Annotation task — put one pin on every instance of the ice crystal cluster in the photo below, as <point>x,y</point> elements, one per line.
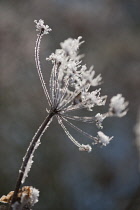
<point>73,86</point>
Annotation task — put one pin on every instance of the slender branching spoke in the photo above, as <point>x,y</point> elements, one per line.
<point>54,84</point>
<point>39,68</point>
<point>70,99</point>
<point>57,86</point>
<point>52,90</point>
<point>80,131</point>
<point>74,107</point>
<point>65,88</point>
<point>50,84</point>
<point>82,119</point>
<point>67,132</point>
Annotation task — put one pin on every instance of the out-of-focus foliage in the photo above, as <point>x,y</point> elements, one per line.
<point>108,177</point>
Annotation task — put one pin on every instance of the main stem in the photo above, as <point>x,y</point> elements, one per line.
<point>28,154</point>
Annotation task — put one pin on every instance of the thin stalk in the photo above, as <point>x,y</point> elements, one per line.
<point>28,154</point>
<point>37,61</point>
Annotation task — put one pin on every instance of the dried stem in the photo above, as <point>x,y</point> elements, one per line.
<point>36,137</point>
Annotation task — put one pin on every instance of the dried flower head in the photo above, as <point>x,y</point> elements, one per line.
<point>70,89</point>
<point>27,197</point>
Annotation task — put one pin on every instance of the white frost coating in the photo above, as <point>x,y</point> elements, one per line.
<point>118,105</point>
<point>27,197</point>
<point>67,133</point>
<point>42,30</point>
<point>40,26</point>
<point>99,119</point>
<point>71,46</point>
<point>103,139</point>
<point>35,195</point>
<point>30,162</point>
<point>31,197</point>
<point>92,99</point>
<point>86,148</point>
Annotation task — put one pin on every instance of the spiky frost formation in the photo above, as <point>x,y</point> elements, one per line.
<point>45,29</point>
<point>70,89</point>
<point>118,106</point>
<point>103,139</point>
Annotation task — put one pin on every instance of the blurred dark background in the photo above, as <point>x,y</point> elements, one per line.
<point>108,178</point>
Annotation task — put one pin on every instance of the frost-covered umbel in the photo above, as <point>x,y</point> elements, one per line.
<point>70,89</point>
